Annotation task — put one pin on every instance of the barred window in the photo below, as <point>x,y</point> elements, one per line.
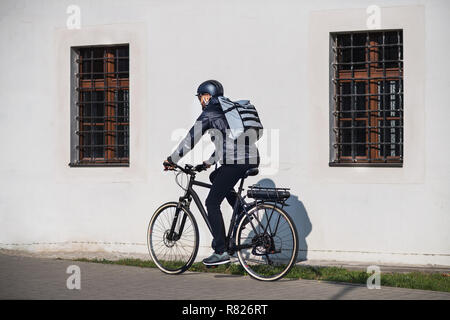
<point>366,72</point>
<point>100,106</point>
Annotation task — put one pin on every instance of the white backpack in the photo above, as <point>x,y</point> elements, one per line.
<point>241,115</point>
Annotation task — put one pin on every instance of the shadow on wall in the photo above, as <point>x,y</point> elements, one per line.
<point>297,212</point>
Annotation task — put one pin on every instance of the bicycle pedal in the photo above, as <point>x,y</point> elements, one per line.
<point>211,267</point>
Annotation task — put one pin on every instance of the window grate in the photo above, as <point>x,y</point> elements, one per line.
<point>367,98</point>
<point>101,94</point>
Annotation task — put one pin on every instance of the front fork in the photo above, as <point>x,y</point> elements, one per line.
<point>173,235</point>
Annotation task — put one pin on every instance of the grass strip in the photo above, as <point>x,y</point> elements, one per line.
<point>411,280</point>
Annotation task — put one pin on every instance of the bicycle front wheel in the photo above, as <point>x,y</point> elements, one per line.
<point>173,253</point>
<point>268,244</point>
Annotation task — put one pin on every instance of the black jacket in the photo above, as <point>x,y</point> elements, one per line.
<point>227,150</point>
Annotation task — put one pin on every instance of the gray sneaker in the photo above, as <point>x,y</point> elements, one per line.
<point>216,259</point>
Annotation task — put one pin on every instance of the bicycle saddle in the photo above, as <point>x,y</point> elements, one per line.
<point>251,172</point>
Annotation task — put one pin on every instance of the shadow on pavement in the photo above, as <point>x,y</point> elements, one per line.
<point>227,276</point>
<point>341,294</point>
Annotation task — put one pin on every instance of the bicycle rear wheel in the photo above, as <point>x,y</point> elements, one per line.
<point>172,255</point>
<point>268,245</point>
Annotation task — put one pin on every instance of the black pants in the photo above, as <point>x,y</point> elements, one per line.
<point>223,180</point>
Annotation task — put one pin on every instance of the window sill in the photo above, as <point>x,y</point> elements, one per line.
<point>75,165</point>
<point>365,164</point>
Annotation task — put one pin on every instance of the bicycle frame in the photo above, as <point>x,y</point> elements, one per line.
<point>190,194</point>
<point>252,235</point>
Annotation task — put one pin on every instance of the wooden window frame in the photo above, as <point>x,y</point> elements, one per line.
<point>110,84</point>
<point>373,73</point>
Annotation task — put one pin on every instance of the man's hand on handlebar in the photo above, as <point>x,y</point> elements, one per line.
<point>168,164</point>
<point>201,167</point>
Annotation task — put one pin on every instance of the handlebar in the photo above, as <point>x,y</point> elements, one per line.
<point>188,169</point>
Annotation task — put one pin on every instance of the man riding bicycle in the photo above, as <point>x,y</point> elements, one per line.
<point>235,157</point>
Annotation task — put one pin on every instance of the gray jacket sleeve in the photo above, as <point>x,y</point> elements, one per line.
<point>212,160</point>
<point>202,124</point>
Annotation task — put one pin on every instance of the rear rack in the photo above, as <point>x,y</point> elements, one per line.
<point>268,194</point>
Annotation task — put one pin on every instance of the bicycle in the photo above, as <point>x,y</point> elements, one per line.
<point>266,245</point>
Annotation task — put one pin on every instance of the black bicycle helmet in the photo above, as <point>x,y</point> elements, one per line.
<point>213,87</point>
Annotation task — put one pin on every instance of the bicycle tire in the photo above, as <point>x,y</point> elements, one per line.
<point>291,261</point>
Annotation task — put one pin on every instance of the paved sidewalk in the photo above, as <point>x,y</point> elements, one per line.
<point>349,265</point>
<point>37,278</point>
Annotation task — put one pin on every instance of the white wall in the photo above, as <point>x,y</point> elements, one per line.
<point>273,52</point>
